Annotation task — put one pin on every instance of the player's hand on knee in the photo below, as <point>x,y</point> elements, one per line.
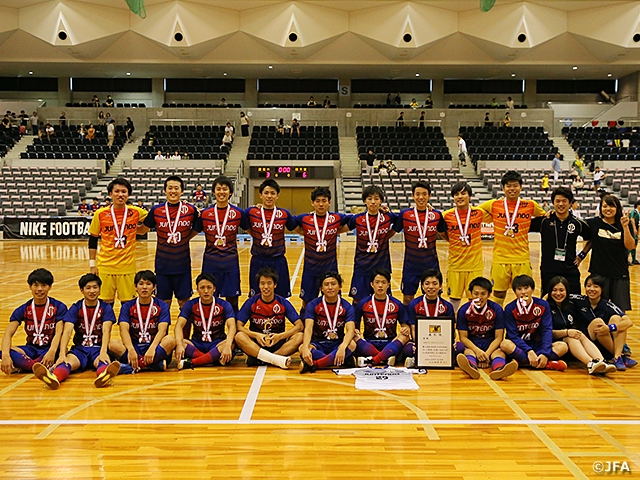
<point>533,358</point>
<point>7,365</point>
<point>542,361</point>
<point>481,355</point>
<point>262,340</point>
<point>103,357</point>
<point>149,356</point>
<point>340,354</point>
<point>48,358</point>
<point>133,361</point>
<point>225,354</point>
<point>573,333</point>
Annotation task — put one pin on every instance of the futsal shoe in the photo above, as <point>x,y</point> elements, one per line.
<point>629,362</point>
<point>559,365</point>
<point>619,363</point>
<point>365,361</point>
<point>610,367</point>
<point>106,377</point>
<point>254,362</point>
<point>466,367</point>
<point>596,366</point>
<point>506,370</point>
<point>391,361</point>
<point>43,374</point>
<point>305,367</point>
<point>626,350</point>
<point>185,363</point>
<point>126,369</point>
<point>349,362</point>
<point>410,362</point>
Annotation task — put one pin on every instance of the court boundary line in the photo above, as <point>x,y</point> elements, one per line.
<point>252,394</point>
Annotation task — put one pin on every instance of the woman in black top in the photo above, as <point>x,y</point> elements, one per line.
<point>569,326</point>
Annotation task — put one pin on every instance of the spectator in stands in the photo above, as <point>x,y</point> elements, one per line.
<point>487,120</point>
<point>159,156</point>
<point>506,120</point>
<point>95,206</point>
<point>381,166</point>
<point>49,130</point>
<point>34,123</point>
<point>109,103</point>
<point>556,167</point>
<point>428,103</point>
<point>391,167</point>
<point>414,103</point>
<point>462,151</point>
<point>111,132</point>
<point>244,124</point>
<point>82,132</point>
<point>175,156</point>
<point>545,183</point>
<point>227,139</point>
<point>83,208</point>
<point>229,129</point>
<point>107,117</point>
<point>141,205</point>
<point>421,121</point>
<point>223,102</point>
<point>295,127</point>
<point>370,159</point>
<point>129,128</point>
<point>327,102</point>
<point>91,132</point>
<point>23,118</point>
<point>575,209</point>
<point>388,101</point>
<point>311,102</point>
<point>199,197</point>
<point>400,120</point>
<point>107,202</point>
<point>101,118</point>
<point>95,101</point>
<point>510,103</point>
<point>398,100</point>
<point>577,184</point>
<point>185,156</point>
<point>598,176</point>
<point>63,119</point>
<point>6,124</point>
<point>280,126</point>
<point>41,130</point>
<point>494,103</point>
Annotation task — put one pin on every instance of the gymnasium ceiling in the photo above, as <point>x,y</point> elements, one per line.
<point>343,39</point>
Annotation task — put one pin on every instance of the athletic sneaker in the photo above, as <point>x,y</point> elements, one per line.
<point>157,367</point>
<point>391,361</point>
<point>365,361</point>
<point>305,367</point>
<point>610,368</point>
<point>410,362</point>
<point>106,377</point>
<point>629,362</point>
<point>559,365</point>
<point>349,362</point>
<point>506,370</point>
<point>626,350</point>
<point>596,366</point>
<point>43,374</point>
<point>619,363</point>
<point>126,369</point>
<point>254,362</point>
<point>185,363</point>
<point>467,367</point>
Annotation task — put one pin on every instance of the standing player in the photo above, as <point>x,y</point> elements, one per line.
<point>43,317</point>
<point>266,340</point>
<point>220,223</point>
<point>328,328</point>
<point>320,230</point>
<point>511,222</point>
<point>199,197</point>
<point>173,221</point>
<point>381,313</point>
<point>89,321</point>
<point>373,231</point>
<point>421,225</point>
<point>144,323</point>
<point>481,330</point>
<point>464,232</point>
<point>116,226</point>
<point>267,224</point>
<point>209,316</point>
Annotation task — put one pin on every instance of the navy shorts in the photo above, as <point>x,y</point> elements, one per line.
<point>326,346</point>
<point>204,347</point>
<point>85,355</point>
<point>378,343</point>
<point>34,352</point>
<point>410,282</point>
<point>280,265</point>
<point>360,286</point>
<point>481,343</point>
<point>310,286</point>
<point>141,349</point>
<point>227,283</point>
<point>170,285</point>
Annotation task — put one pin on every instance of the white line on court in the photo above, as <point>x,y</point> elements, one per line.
<point>297,270</point>
<point>252,396</point>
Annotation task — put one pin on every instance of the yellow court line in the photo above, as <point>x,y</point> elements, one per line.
<point>542,436</point>
<point>16,384</point>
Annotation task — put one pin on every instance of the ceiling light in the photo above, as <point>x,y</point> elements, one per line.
<point>417,74</point>
<point>608,74</point>
<point>575,68</point>
<point>270,66</point>
<point>513,74</point>
<point>128,73</point>
<point>225,74</point>
<point>30,73</point>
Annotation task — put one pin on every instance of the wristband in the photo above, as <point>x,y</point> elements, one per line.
<point>92,263</point>
<point>582,255</point>
<point>613,327</point>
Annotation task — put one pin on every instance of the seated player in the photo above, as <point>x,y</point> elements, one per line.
<point>529,329</point>
<point>209,316</point>
<point>266,340</point>
<point>43,317</point>
<point>144,323</point>
<point>379,341</point>
<point>89,321</point>
<point>430,304</point>
<point>607,325</point>
<point>328,328</point>
<point>481,330</point>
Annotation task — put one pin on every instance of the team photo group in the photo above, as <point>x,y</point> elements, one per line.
<point>566,317</point>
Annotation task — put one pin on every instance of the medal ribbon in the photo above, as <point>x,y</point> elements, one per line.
<point>333,323</point>
<point>119,229</point>
<point>475,305</point>
<point>372,244</point>
<point>464,232</point>
<point>174,236</point>
<point>87,338</point>
<point>38,336</point>
<point>426,307</point>
<point>267,237</point>
<point>321,244</point>
<point>511,220</point>
<point>422,229</point>
<point>144,336</point>
<point>220,235</point>
<point>381,323</point>
<point>522,306</point>
<point>206,324</point>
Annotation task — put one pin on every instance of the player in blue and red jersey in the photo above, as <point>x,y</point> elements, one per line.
<point>379,341</point>
<point>320,230</point>
<point>89,321</point>
<point>421,225</point>
<point>481,330</point>
<point>267,225</point>
<point>144,323</point>
<point>174,221</point>
<point>530,329</point>
<point>42,317</point>
<point>373,231</point>
<point>328,328</point>
<point>265,339</point>
<point>220,223</point>
<point>209,316</point>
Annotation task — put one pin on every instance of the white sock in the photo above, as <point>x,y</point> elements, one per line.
<point>273,358</point>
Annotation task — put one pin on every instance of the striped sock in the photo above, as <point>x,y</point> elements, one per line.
<point>62,372</point>
<point>498,363</point>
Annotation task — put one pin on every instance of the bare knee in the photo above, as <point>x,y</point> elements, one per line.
<point>507,346</point>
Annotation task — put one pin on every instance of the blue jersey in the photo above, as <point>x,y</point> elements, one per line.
<point>322,330</point>
<point>534,328</point>
<point>434,308</point>
<point>372,253</point>
<point>221,252</point>
<point>605,309</point>
<point>273,246</point>
<point>159,314</point>
<point>221,313</point>
<point>39,335</point>
<point>481,323</point>
<point>173,255</point>
<point>420,255</point>
<point>320,257</point>
<point>396,313</point>
<point>75,315</point>
<point>267,317</point>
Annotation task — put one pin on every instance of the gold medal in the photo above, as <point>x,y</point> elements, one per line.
<point>332,335</point>
<point>220,242</point>
<point>381,334</point>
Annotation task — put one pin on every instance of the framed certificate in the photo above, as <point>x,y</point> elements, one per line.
<point>434,342</point>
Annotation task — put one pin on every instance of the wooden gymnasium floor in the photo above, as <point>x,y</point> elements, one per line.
<point>267,423</point>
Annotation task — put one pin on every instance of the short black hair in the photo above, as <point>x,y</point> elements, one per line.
<point>431,272</point>
<point>331,274</point>
<point>382,272</point>
<point>223,180</point>
<point>421,184</point>
<point>320,192</point>
<point>596,279</point>
<point>635,205</point>
<point>147,275</point>
<point>523,281</point>
<point>372,190</point>
<point>510,176</point>
<point>119,181</point>
<point>269,273</point>
<point>206,276</point>
<point>40,275</point>
<point>269,182</point>
<point>461,187</point>
<point>174,178</point>
<point>563,192</point>
<point>89,277</point>
<point>481,282</point>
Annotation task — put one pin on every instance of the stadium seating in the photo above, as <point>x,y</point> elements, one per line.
<point>199,105</point>
<point>8,139</point>
<point>598,143</point>
<point>508,143</point>
<point>313,143</point>
<point>292,105</point>
<point>402,143</point>
<point>384,105</point>
<point>482,106</point>
<point>201,142</point>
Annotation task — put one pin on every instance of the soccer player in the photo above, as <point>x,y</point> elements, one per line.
<point>421,225</point>
<point>144,323</point>
<point>481,330</point>
<point>373,231</point>
<point>209,316</point>
<point>320,230</point>
<point>43,317</point>
<point>266,340</point>
<point>174,221</point>
<point>328,328</point>
<point>381,313</point>
<point>530,329</point>
<point>267,224</point>
<point>199,197</point>
<point>89,321</point>
<point>220,223</point>
<point>116,226</point>
<point>511,221</point>
<point>464,233</point>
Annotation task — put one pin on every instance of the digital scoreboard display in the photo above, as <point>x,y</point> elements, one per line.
<point>291,172</point>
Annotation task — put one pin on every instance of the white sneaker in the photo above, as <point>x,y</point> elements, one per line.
<point>391,361</point>
<point>609,368</point>
<point>410,362</point>
<point>364,361</point>
<point>596,366</point>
